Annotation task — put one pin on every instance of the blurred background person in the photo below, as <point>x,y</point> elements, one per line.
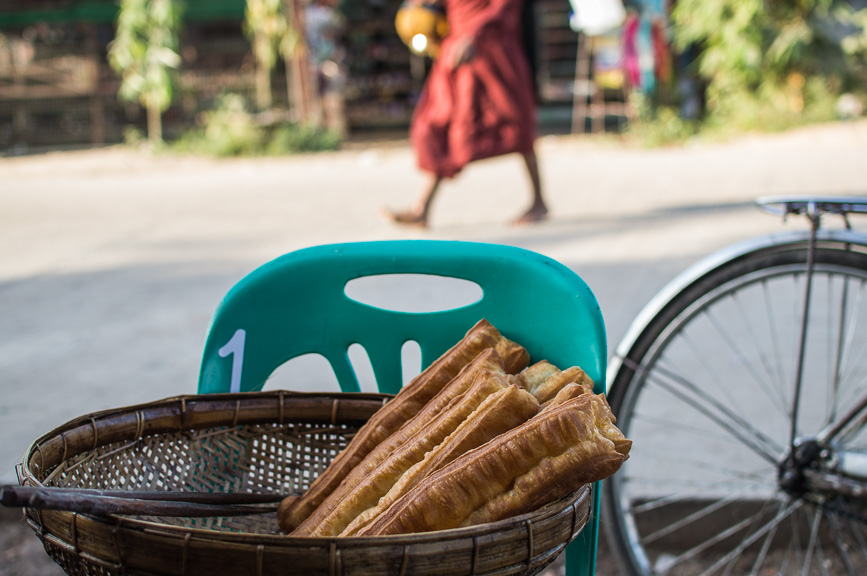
<point>477,103</point>
<point>323,24</point>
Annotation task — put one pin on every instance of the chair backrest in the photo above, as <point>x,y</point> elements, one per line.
<point>296,304</point>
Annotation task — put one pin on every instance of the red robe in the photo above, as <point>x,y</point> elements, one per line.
<point>484,107</point>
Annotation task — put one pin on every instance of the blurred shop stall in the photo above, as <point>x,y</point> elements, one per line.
<point>349,71</point>
<point>624,55</point>
<point>57,89</point>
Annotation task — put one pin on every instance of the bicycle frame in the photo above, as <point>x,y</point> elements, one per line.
<point>814,208</point>
<point>848,465</point>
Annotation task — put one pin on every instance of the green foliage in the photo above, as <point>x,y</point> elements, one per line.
<point>268,28</point>
<point>132,137</point>
<point>772,62</point>
<point>227,131</point>
<point>659,125</point>
<point>231,130</point>
<point>289,138</point>
<point>767,110</point>
<point>265,25</point>
<point>144,52</point>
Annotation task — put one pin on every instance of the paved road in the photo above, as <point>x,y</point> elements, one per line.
<point>112,261</point>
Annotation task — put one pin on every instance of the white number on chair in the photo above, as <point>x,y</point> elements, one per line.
<point>235,346</point>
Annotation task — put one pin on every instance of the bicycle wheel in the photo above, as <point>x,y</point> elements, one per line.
<point>706,392</point>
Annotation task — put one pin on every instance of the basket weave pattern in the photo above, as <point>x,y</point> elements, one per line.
<point>274,442</point>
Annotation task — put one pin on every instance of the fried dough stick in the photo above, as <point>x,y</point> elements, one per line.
<point>546,458</point>
<point>498,413</point>
<point>544,380</point>
<point>361,490</point>
<point>408,402</point>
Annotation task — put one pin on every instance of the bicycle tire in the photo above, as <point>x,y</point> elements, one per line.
<point>702,492</point>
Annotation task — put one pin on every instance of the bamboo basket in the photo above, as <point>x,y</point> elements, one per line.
<point>261,442</point>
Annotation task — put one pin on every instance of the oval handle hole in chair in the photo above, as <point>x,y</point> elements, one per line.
<point>413,293</point>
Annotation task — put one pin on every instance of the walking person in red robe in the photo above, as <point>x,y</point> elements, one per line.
<point>478,103</point>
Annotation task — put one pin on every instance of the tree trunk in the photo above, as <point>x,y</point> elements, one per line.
<point>97,114</point>
<point>297,61</point>
<point>263,88</point>
<point>155,125</point>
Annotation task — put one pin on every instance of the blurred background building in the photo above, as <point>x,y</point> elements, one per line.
<point>57,89</point>
<point>598,66</point>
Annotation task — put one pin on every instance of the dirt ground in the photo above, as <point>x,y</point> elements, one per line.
<point>21,552</point>
<point>112,261</point>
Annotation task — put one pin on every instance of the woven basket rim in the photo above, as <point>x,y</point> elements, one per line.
<point>197,398</point>
<point>182,400</point>
<point>26,476</point>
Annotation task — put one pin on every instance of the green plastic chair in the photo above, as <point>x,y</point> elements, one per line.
<point>296,304</point>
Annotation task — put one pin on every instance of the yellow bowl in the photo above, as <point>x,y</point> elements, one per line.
<point>422,28</point>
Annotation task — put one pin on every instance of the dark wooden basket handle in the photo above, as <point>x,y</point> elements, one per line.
<point>139,503</point>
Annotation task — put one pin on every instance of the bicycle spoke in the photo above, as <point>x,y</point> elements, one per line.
<point>775,338</point>
<point>856,377</point>
<point>853,372</point>
<point>848,426</point>
<point>828,434</point>
<point>729,475</point>
<point>851,362</point>
<point>766,546</point>
<point>840,349</point>
<point>841,544</point>
<point>723,476</point>
<point>762,383</point>
<point>674,426</point>
<point>791,553</point>
<point>692,518</point>
<point>857,529</point>
<point>669,499</point>
<point>651,424</point>
<point>821,559</point>
<point>700,485</point>
<point>845,343</point>
<point>755,536</point>
<point>698,549</point>
<point>814,534</point>
<point>855,428</point>
<point>725,418</point>
<point>712,375</point>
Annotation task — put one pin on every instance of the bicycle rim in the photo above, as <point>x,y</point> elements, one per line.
<point>707,394</point>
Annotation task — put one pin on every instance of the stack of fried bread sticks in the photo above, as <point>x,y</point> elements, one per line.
<point>479,436</point>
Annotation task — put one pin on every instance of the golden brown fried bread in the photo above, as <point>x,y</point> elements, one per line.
<point>544,380</point>
<point>361,490</point>
<point>498,413</point>
<point>488,362</point>
<point>546,458</point>
<point>568,392</point>
<point>535,375</point>
<point>404,406</point>
<point>514,356</point>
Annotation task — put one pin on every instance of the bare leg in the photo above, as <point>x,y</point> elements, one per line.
<point>417,215</point>
<point>538,210</point>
